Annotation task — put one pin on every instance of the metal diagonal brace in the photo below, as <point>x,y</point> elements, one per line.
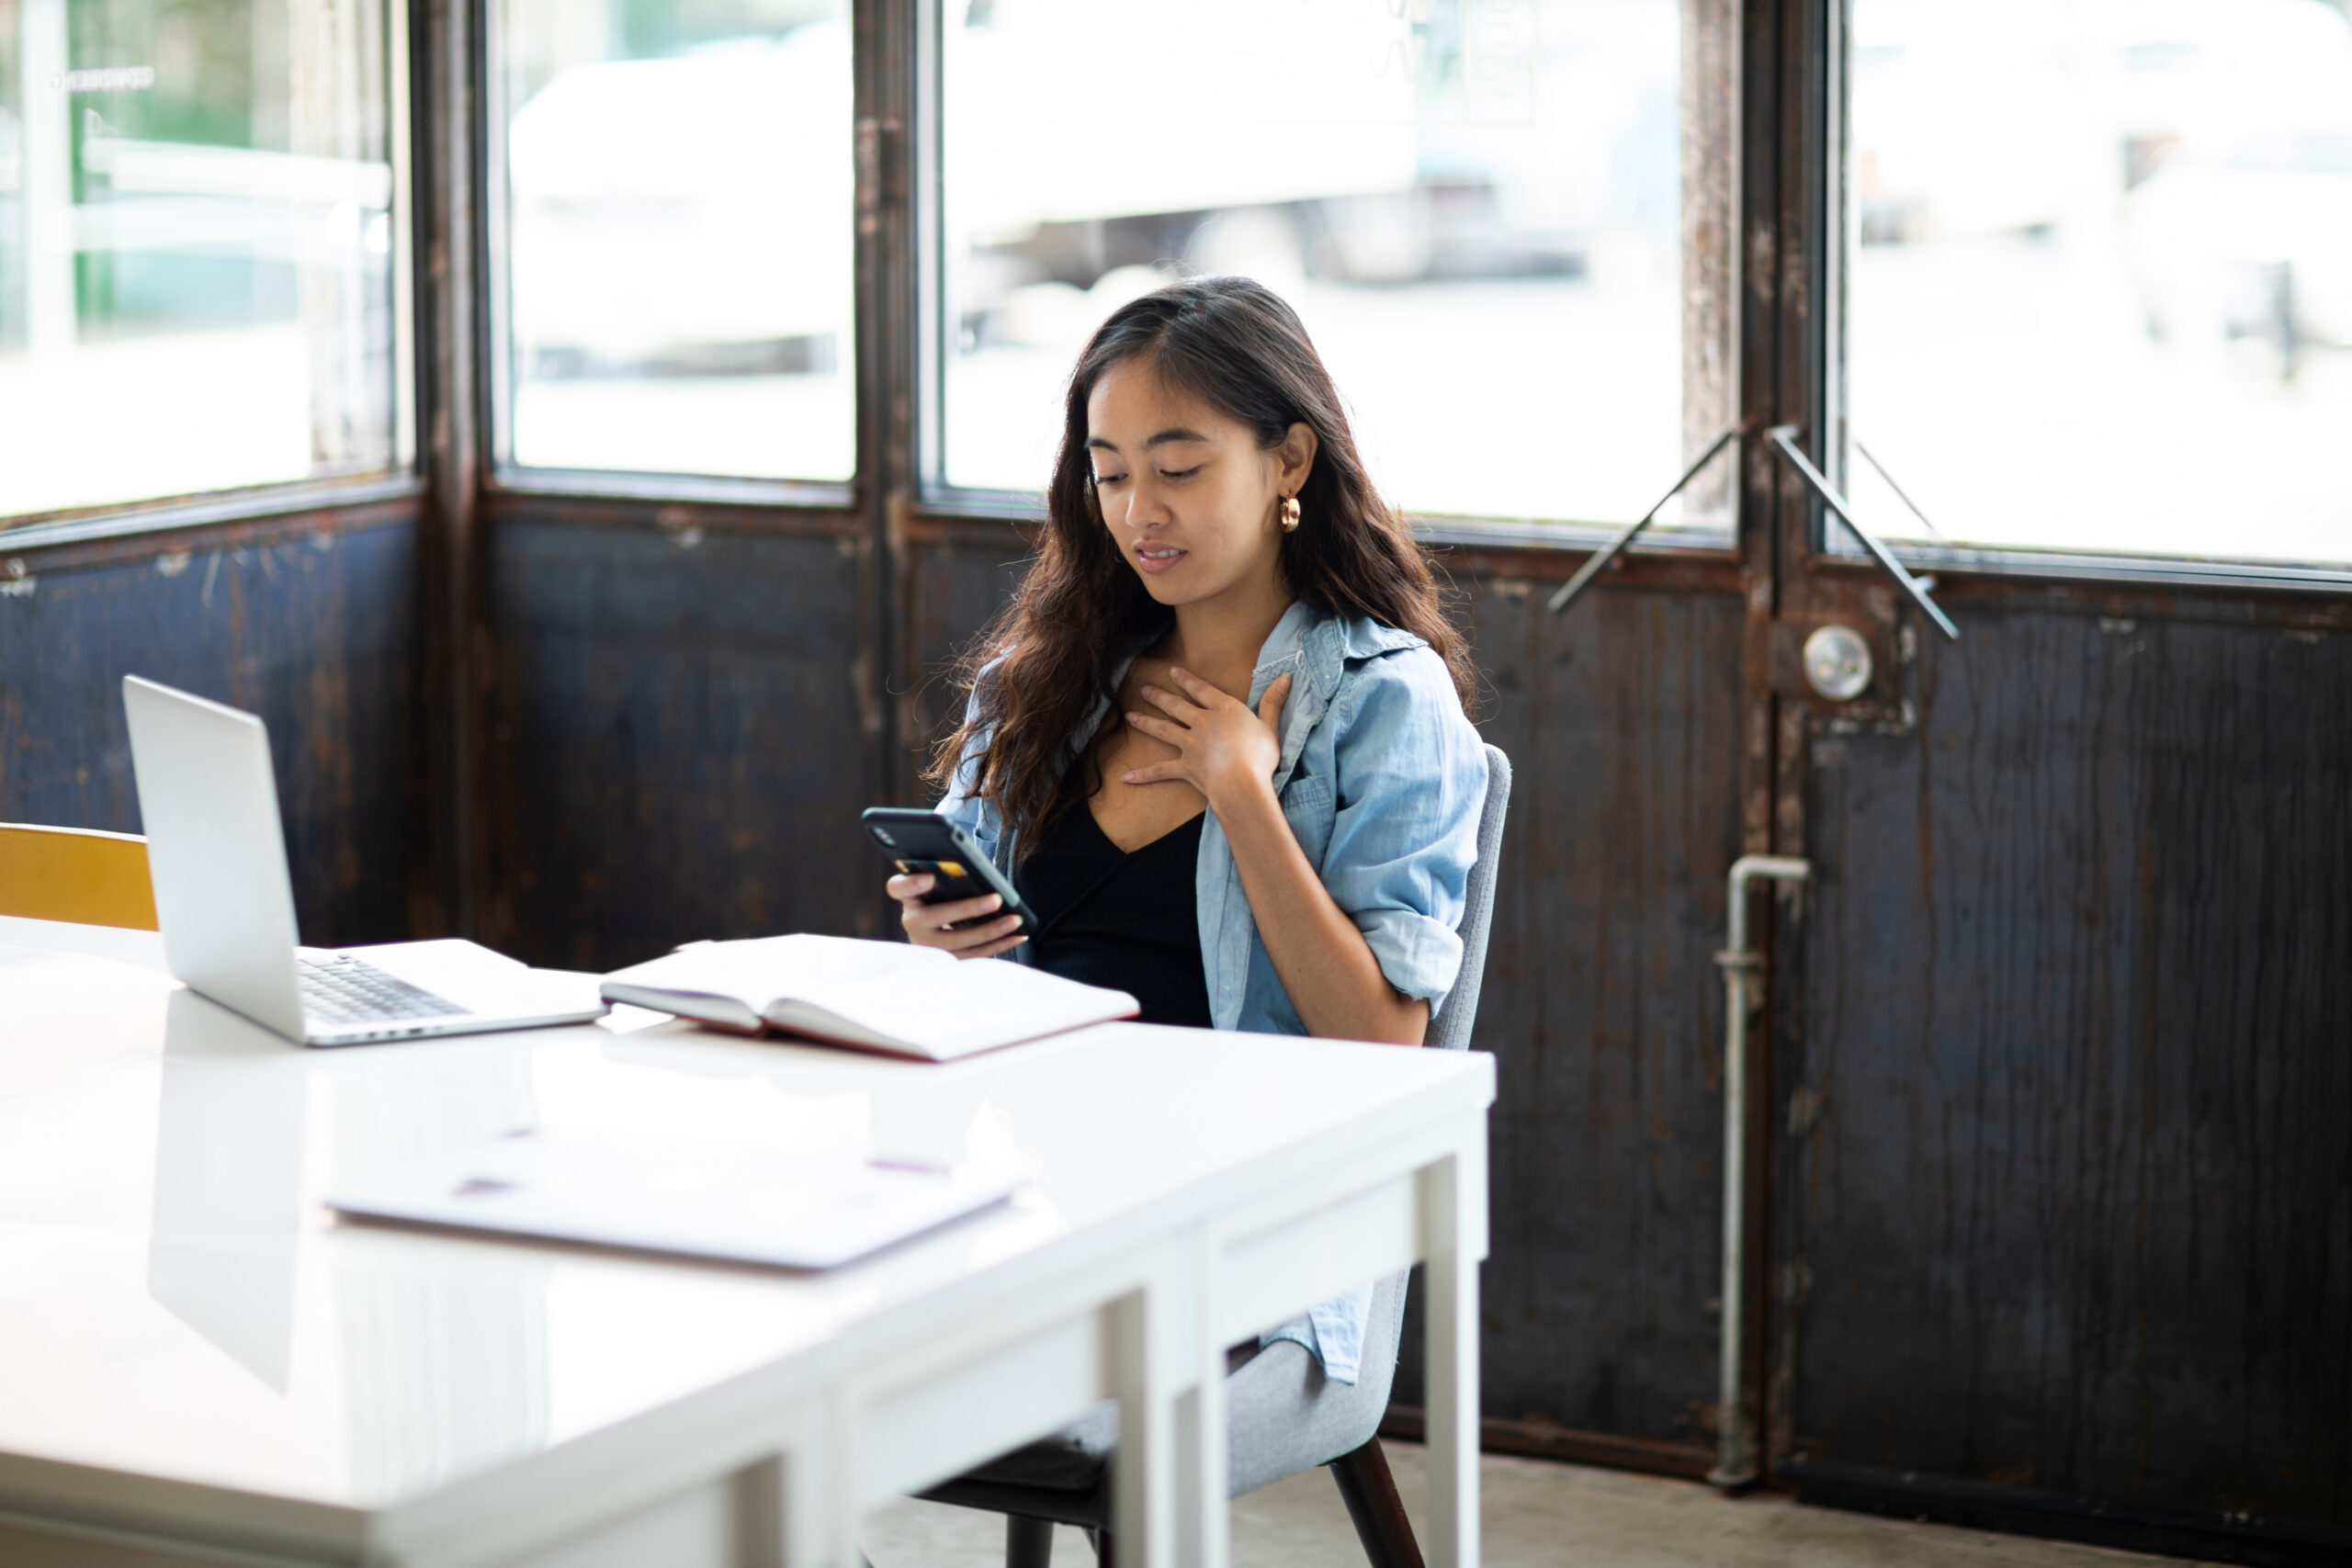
<point>1900,493</point>
<point>1623,537</point>
<point>1782,436</point>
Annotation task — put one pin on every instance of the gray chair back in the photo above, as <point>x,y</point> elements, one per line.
<point>1454,1020</point>
<point>1354,1413</point>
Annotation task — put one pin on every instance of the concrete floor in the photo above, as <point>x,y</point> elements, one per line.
<point>1537,1513</point>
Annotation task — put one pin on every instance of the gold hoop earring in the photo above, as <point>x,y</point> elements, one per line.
<point>1290,515</point>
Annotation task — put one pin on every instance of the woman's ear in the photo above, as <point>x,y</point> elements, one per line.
<point>1295,456</point>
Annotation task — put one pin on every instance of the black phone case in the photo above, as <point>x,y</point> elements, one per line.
<point>922,840</point>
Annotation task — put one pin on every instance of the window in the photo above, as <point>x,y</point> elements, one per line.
<point>2098,275</point>
<point>1505,223</point>
<point>202,234</point>
<point>679,187</point>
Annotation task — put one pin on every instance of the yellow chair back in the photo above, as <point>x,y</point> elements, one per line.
<point>75,874</point>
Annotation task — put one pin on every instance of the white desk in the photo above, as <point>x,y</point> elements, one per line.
<point>198,1365</point>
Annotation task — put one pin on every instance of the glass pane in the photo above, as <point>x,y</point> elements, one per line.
<point>2100,286</point>
<point>1477,207</point>
<point>679,196</point>
<point>200,233</point>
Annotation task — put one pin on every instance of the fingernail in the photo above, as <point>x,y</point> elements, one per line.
<point>1019,940</point>
<point>996,900</point>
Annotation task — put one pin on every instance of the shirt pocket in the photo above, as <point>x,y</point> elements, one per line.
<point>1306,807</point>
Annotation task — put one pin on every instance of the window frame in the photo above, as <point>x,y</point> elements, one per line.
<point>172,514</point>
<point>405,478</point>
<point>899,360</point>
<point>935,497</point>
<point>495,370</point>
<point>1833,230</point>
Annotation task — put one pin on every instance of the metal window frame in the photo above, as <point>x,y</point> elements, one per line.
<point>495,358</point>
<point>1835,232</point>
<point>403,479</point>
<point>501,472</point>
<point>911,296</point>
<point>935,497</point>
<point>174,515</point>
<point>925,120</point>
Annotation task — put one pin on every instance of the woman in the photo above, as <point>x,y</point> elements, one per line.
<point>1218,738</point>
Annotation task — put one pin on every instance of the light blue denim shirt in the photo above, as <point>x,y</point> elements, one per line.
<point>1381,779</point>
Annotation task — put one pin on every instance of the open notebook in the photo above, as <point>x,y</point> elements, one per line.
<point>878,996</point>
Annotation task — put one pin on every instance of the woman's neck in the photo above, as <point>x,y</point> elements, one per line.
<point>1218,640</point>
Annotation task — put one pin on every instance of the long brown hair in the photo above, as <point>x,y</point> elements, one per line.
<point>1048,658</point>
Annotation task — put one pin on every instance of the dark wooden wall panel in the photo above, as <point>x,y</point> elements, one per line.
<point>679,750</point>
<point>316,632</point>
<point>2066,1195</point>
<point>1621,722</point>
<point>955,587</point>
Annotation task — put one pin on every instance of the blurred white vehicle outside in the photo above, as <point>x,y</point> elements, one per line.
<point>2244,230</point>
<point>1247,103</point>
<point>1961,119</point>
<point>667,213</point>
<point>2252,241</point>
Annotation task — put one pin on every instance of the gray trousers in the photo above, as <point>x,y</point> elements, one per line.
<point>1283,1414</point>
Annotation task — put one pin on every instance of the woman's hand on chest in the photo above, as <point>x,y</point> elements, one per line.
<point>1221,747</point>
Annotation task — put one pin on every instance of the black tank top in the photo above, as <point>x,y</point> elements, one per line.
<point>1128,921</point>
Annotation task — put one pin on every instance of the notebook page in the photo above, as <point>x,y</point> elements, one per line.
<point>768,969</point>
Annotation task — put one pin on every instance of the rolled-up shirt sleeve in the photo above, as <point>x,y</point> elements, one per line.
<point>1411,783</point>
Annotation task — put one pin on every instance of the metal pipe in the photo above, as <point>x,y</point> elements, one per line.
<point>1742,966</point>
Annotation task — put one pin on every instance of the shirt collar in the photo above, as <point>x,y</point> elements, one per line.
<point>1305,646</point>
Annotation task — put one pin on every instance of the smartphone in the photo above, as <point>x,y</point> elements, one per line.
<point>918,842</point>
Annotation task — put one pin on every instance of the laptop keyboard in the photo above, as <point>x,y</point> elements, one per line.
<point>350,990</point>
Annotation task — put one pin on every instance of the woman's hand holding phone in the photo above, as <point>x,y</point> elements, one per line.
<point>927,925</point>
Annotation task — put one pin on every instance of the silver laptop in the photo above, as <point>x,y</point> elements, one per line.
<point>225,901</point>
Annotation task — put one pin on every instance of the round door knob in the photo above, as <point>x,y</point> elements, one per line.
<point>1837,663</point>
